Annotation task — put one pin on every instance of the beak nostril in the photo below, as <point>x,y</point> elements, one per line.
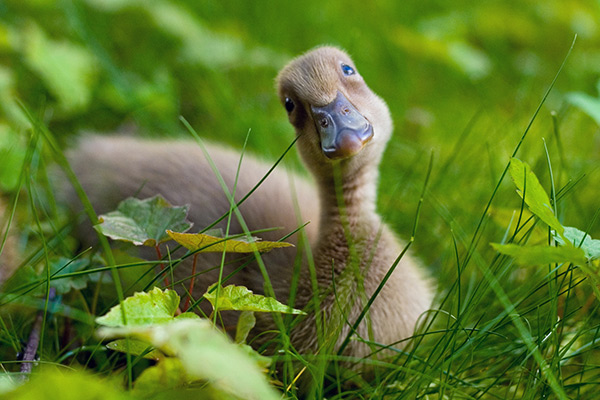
<point>324,122</point>
<point>345,111</point>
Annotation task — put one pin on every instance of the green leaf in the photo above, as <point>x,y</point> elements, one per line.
<point>206,354</point>
<point>586,103</point>
<point>7,383</point>
<point>541,255</point>
<point>8,104</point>
<point>155,307</point>
<point>263,362</point>
<point>67,266</point>
<point>136,348</point>
<point>144,222</point>
<point>67,69</point>
<point>187,315</point>
<point>203,243</point>
<point>535,196</point>
<point>245,323</point>
<point>241,298</point>
<point>66,384</point>
<point>12,156</point>
<point>25,278</point>
<point>452,51</point>
<point>168,373</point>
<point>578,238</point>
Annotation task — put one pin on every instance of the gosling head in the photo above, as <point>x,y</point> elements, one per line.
<point>337,118</point>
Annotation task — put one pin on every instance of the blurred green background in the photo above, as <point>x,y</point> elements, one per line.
<point>462,80</point>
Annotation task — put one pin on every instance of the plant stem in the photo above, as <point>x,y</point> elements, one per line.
<point>34,339</point>
<point>162,266</point>
<point>192,280</point>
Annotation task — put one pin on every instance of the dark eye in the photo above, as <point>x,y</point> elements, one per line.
<point>289,105</point>
<point>348,70</point>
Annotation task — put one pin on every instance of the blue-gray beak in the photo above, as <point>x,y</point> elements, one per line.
<point>343,130</point>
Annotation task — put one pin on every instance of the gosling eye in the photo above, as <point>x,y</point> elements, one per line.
<point>348,70</point>
<point>289,105</point>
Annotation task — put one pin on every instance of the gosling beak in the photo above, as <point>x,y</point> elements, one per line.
<point>343,130</point>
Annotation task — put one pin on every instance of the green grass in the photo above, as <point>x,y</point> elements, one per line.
<point>466,84</point>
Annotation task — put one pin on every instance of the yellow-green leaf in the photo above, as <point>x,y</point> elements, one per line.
<point>136,348</point>
<point>536,197</point>
<point>67,383</point>
<point>204,243</point>
<point>205,353</point>
<point>541,255</point>
<point>240,298</point>
<point>66,68</point>
<point>154,307</point>
<point>169,373</point>
<point>263,362</point>
<point>245,323</point>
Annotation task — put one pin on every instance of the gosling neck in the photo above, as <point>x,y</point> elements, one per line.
<point>358,190</point>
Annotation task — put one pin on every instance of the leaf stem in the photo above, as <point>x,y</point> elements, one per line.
<point>162,266</point>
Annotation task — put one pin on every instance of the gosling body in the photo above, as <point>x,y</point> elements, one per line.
<point>342,129</point>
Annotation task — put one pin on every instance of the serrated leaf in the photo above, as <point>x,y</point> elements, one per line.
<point>206,354</point>
<point>541,255</point>
<point>240,298</point>
<point>144,222</point>
<point>187,315</point>
<point>536,197</point>
<point>203,243</point>
<point>66,266</point>
<point>245,323</point>
<point>136,348</point>
<point>578,238</point>
<point>154,307</point>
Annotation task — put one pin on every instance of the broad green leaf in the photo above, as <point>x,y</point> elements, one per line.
<point>136,348</point>
<point>63,266</point>
<point>204,243</point>
<point>199,43</point>
<point>241,298</point>
<point>144,222</point>
<point>154,307</point>
<point>12,156</point>
<point>541,255</point>
<point>187,315</point>
<point>8,104</point>
<point>202,45</point>
<point>456,53</point>
<point>26,279</point>
<point>206,354</point>
<point>588,104</point>
<point>578,238</point>
<point>7,383</point>
<point>66,68</point>
<point>67,384</point>
<point>168,373</point>
<point>245,323</point>
<point>535,196</point>
<point>263,362</point>
<point>469,59</point>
